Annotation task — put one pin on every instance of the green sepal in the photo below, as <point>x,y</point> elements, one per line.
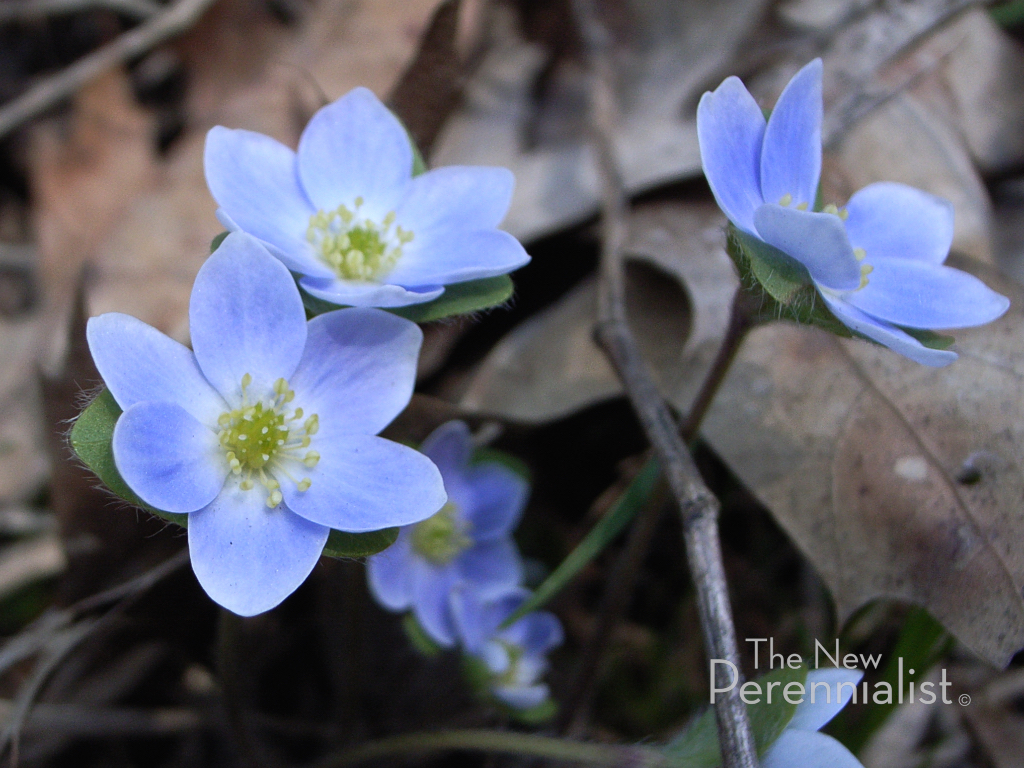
<point>781,286</point>
<point>419,638</point>
<point>697,746</point>
<point>543,713</point>
<point>91,439</point>
<point>343,544</point>
<point>457,299</point>
<point>215,243</point>
<point>930,339</point>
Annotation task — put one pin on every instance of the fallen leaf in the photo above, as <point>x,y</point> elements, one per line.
<point>896,480</point>
<point>680,286</point>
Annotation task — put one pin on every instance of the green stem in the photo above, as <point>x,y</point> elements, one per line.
<point>501,742</point>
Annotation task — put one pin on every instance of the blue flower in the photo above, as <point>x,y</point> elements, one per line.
<point>469,541</point>
<point>878,263</point>
<point>346,213</point>
<point>801,746</point>
<point>514,658</point>
<point>265,434</point>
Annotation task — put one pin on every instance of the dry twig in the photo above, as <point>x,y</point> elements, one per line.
<point>698,506</point>
<point>51,91</point>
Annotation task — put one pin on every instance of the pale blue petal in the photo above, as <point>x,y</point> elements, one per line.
<point>730,130</point>
<point>522,697</point>
<point>473,625</point>
<point>492,567</point>
<point>541,631</point>
<point>916,294</point>
<point>498,497</point>
<point>816,240</point>
<point>355,148</point>
<point>808,749</point>
<point>357,294</point>
<point>449,447</point>
<point>167,457</point>
<point>255,181</point>
<point>791,158</point>
<point>455,256</point>
<point>389,575</point>
<point>365,483</point>
<point>139,363</point>
<point>247,557</point>
<point>813,715</point>
<point>887,335</point>
<point>357,371</point>
<point>456,197</point>
<point>894,221</point>
<point>303,261</point>
<point>432,589</point>
<point>246,316</point>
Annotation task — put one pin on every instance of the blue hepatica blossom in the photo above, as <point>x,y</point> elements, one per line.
<point>878,263</point>
<point>265,434</point>
<point>469,541</point>
<point>346,214</point>
<point>514,658</point>
<point>800,745</point>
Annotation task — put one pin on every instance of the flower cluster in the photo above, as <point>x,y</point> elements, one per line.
<point>878,262</point>
<point>459,572</point>
<point>264,433</point>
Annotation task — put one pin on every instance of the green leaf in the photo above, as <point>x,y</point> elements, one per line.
<point>215,243</point>
<point>91,439</point>
<point>921,643</point>
<point>488,455</point>
<point>697,746</point>
<point>543,713</point>
<point>342,544</point>
<point>632,501</point>
<point>457,299</point>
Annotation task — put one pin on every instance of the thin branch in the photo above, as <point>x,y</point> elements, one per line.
<point>499,742</point>
<point>30,10</point>
<point>51,91</point>
<point>698,506</point>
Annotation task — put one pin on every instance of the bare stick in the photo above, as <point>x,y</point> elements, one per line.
<point>51,91</point>
<point>697,505</point>
<point>29,10</point>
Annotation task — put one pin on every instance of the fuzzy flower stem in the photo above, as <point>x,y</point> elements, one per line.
<point>500,742</point>
<point>698,506</point>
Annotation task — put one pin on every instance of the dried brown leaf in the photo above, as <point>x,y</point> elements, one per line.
<point>896,480</point>
<point>550,366</point>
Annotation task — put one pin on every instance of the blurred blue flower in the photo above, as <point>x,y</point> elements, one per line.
<point>346,213</point>
<point>264,435</point>
<point>469,541</point>
<point>800,745</point>
<point>878,263</point>
<point>514,658</point>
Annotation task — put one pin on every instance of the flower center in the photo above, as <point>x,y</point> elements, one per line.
<point>441,537</point>
<point>512,674</point>
<point>354,246</point>
<point>260,438</point>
